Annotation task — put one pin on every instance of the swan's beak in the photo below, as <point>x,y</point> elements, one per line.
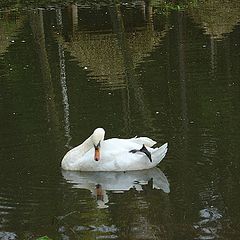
<point>99,192</point>
<point>97,154</point>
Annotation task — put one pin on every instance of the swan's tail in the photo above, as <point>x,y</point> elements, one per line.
<point>159,153</point>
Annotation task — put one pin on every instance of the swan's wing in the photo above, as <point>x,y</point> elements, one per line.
<point>143,140</point>
<point>116,155</point>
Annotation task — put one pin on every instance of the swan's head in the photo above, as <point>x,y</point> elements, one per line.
<point>97,139</point>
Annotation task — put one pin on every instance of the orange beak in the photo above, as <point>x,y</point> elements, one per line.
<point>99,192</point>
<point>97,154</point>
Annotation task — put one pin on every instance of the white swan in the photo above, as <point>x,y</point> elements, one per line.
<point>97,154</point>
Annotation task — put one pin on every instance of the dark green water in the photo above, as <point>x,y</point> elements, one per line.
<point>134,71</point>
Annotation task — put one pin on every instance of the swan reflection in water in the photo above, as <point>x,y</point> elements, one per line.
<point>117,182</point>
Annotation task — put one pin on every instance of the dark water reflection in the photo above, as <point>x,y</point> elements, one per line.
<point>118,182</point>
<point>173,77</point>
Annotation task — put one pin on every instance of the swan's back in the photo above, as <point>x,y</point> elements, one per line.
<point>116,156</point>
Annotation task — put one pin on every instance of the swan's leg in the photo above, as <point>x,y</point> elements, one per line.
<point>143,150</point>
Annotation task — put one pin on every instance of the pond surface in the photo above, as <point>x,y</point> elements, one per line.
<point>134,70</point>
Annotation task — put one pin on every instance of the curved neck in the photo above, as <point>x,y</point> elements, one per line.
<point>85,146</point>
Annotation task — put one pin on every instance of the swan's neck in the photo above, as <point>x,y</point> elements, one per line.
<point>85,146</point>
<point>72,158</point>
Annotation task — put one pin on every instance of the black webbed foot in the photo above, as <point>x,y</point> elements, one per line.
<point>134,151</point>
<point>143,150</point>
